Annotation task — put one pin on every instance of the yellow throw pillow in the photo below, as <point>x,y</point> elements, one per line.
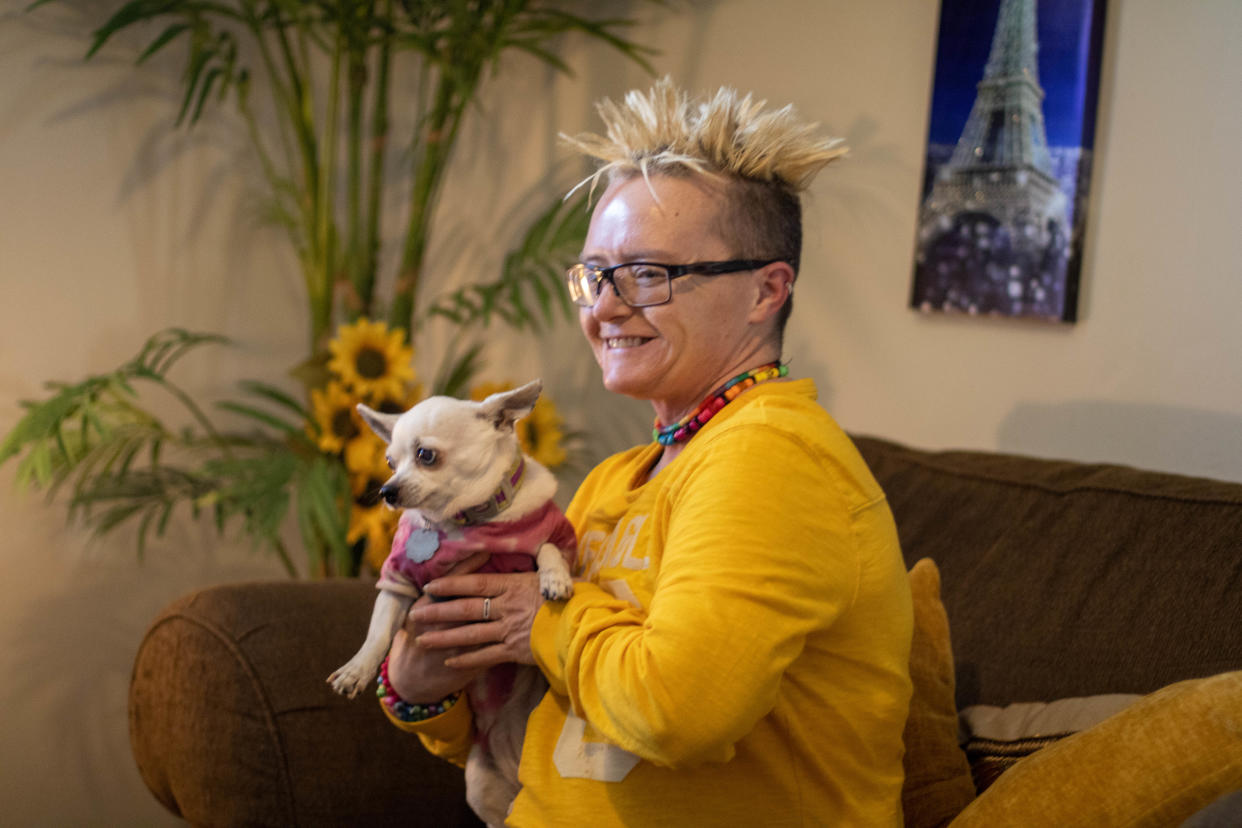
<point>1154,764</point>
<point>938,783</point>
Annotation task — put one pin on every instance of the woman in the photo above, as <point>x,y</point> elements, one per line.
<point>736,648</point>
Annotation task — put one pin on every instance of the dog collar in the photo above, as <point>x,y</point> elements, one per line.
<point>500,500</point>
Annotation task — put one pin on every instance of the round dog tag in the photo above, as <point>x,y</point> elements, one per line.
<point>422,544</point>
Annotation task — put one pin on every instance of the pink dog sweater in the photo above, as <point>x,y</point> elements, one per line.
<point>421,554</point>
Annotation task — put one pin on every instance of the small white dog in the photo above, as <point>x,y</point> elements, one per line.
<point>464,486</point>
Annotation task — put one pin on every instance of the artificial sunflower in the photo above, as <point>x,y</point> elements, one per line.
<point>398,404</point>
<point>539,432</point>
<point>377,524</point>
<point>333,410</point>
<point>367,463</point>
<point>372,360</point>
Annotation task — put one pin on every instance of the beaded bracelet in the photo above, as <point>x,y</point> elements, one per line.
<point>405,711</point>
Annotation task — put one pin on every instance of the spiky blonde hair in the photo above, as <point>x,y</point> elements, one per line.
<point>729,135</point>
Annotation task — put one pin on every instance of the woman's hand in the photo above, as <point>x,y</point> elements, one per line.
<point>488,623</point>
<point>419,674</point>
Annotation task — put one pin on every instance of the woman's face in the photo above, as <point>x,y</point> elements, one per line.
<point>673,354</point>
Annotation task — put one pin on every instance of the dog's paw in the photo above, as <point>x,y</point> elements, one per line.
<point>350,679</point>
<point>555,585</point>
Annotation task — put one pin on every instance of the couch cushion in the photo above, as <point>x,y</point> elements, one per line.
<point>1065,579</point>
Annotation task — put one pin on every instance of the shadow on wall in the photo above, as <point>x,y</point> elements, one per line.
<point>68,654</point>
<point>1156,437</point>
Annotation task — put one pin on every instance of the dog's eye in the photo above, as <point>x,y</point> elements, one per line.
<point>426,456</point>
<point>391,464</point>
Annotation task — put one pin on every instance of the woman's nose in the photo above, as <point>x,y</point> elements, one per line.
<point>609,304</point>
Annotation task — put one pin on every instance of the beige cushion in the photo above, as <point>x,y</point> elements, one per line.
<point>1154,764</point>
<point>938,783</point>
<point>997,738</point>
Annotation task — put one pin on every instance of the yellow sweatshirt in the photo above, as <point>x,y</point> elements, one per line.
<point>738,654</point>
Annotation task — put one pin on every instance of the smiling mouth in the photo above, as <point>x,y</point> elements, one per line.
<point>614,342</point>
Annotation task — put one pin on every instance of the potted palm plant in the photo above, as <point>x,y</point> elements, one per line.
<point>318,86</point>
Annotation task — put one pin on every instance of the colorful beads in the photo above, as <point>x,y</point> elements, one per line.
<point>718,399</point>
<point>405,711</point>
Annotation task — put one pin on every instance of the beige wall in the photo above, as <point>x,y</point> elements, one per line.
<point>111,228</point>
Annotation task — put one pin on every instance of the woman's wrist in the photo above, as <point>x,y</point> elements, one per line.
<point>405,711</point>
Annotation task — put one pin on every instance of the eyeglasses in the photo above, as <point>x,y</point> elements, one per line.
<point>644,284</point>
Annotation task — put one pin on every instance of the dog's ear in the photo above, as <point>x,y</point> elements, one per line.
<point>505,408</point>
<point>381,424</point>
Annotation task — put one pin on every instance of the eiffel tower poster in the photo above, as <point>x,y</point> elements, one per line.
<point>1009,153</point>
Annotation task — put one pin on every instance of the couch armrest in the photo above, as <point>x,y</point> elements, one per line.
<point>231,721</point>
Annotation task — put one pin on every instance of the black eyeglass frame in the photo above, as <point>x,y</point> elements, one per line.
<point>674,271</point>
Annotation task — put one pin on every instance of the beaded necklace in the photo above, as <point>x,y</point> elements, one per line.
<point>680,432</point>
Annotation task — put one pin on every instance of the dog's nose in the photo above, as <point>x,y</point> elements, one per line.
<point>389,493</point>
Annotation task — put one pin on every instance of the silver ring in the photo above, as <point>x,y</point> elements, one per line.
<point>487,609</point>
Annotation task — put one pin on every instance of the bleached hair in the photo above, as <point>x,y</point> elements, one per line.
<point>730,135</point>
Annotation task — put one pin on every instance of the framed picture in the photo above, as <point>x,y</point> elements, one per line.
<point>1009,150</point>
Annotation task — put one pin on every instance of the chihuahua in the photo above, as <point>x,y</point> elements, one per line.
<point>464,486</point>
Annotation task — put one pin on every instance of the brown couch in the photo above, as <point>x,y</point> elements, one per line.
<point>1060,581</point>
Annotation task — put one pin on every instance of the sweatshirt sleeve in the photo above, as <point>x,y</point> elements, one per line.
<point>448,736</point>
<point>757,553</point>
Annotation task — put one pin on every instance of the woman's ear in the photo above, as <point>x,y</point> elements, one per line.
<point>775,287</point>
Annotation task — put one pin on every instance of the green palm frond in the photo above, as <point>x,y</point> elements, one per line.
<point>81,419</point>
<point>96,439</point>
<point>533,32</point>
<point>457,370</point>
<point>322,510</point>
<point>530,290</point>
